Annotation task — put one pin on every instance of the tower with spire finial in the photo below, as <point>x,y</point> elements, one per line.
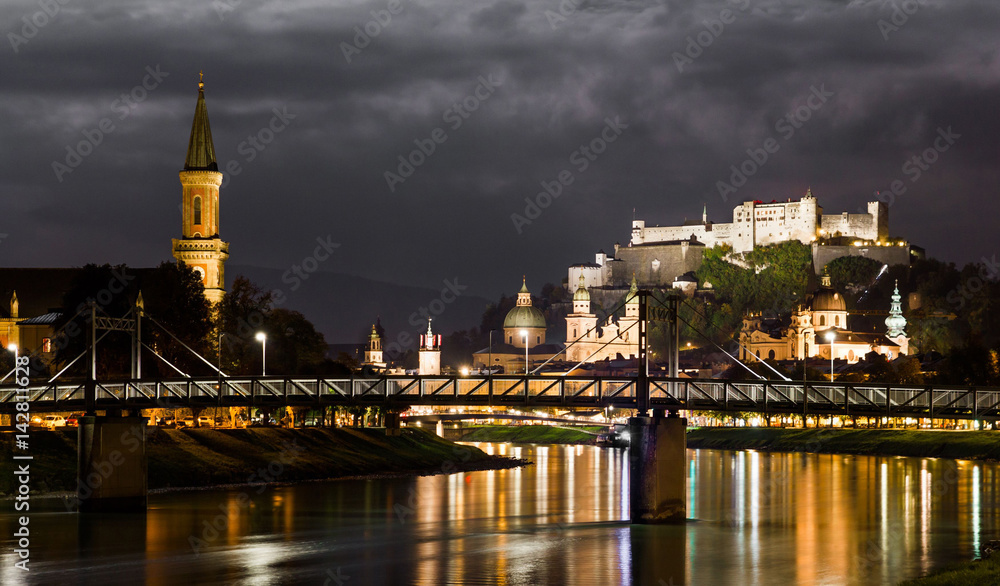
<point>430,352</point>
<point>373,353</point>
<point>896,323</point>
<point>200,246</point>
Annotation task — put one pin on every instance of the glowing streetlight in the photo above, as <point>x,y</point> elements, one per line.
<point>262,338</point>
<point>524,334</point>
<point>829,338</point>
<point>13,348</point>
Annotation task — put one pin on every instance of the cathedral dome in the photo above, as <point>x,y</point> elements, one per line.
<point>827,299</point>
<point>524,316</point>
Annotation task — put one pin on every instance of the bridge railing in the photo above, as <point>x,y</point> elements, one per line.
<point>665,393</point>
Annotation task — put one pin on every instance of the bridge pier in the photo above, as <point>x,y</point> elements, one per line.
<point>111,464</point>
<point>657,457</point>
<point>392,424</point>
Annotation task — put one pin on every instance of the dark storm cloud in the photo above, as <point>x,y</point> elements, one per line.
<point>560,78</point>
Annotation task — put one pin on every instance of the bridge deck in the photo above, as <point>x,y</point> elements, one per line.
<point>532,391</point>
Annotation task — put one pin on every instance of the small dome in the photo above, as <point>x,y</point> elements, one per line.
<point>581,292</point>
<point>828,300</point>
<point>524,316</point>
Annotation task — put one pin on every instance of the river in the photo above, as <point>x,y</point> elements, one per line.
<point>754,518</point>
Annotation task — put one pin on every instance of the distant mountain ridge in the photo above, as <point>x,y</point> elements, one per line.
<point>344,307</point>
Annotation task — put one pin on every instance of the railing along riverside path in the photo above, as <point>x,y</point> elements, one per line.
<point>759,396</point>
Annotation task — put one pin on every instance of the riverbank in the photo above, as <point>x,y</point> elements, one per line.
<point>958,445</point>
<point>194,458</point>
<point>531,434</point>
<point>984,571</point>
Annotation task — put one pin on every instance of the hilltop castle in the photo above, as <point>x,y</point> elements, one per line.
<point>666,255</point>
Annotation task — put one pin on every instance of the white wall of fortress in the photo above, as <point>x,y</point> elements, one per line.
<point>757,224</point>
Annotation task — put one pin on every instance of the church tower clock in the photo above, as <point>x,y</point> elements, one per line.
<point>200,246</point>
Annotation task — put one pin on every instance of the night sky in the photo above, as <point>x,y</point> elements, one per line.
<point>684,88</point>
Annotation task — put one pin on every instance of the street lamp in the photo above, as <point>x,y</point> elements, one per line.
<point>262,338</point>
<point>524,334</point>
<point>829,338</point>
<point>490,365</point>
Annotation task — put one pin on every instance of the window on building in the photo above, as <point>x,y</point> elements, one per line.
<point>538,339</point>
<point>770,354</point>
<point>574,332</point>
<point>836,320</point>
<point>510,339</point>
<point>822,320</point>
<point>46,344</point>
<point>197,210</point>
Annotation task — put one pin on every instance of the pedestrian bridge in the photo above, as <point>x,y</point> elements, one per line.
<point>399,392</point>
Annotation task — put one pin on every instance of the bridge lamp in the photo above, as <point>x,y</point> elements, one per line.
<point>524,334</point>
<point>829,338</point>
<point>13,349</point>
<point>262,338</point>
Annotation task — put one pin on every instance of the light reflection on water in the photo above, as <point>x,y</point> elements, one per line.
<point>755,518</point>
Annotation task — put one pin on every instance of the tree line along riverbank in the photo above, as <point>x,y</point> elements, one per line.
<point>960,445</point>
<point>182,458</point>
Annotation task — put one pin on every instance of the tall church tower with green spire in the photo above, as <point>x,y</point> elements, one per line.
<point>200,246</point>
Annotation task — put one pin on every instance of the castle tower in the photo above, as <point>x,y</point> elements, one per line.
<point>430,352</point>
<point>373,354</point>
<point>200,246</point>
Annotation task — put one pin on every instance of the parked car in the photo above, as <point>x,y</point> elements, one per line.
<point>54,421</point>
<point>74,420</point>
<point>205,421</point>
<point>187,422</point>
<point>168,421</point>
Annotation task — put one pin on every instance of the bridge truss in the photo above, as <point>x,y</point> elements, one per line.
<point>400,392</point>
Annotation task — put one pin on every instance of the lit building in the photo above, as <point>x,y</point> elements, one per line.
<point>200,246</point>
<point>585,342</point>
<point>811,325</point>
<point>523,339</point>
<point>373,353</point>
<point>430,352</point>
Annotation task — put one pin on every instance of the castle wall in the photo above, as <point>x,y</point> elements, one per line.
<point>890,255</point>
<point>657,264</point>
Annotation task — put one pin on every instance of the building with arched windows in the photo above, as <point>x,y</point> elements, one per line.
<point>813,324</point>
<point>200,246</point>
<point>585,342</point>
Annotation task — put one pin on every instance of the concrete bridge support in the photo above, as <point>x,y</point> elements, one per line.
<point>657,471</point>
<point>111,464</point>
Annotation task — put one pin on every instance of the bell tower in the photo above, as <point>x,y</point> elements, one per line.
<point>200,246</point>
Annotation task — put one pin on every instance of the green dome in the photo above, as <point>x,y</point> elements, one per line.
<point>524,316</point>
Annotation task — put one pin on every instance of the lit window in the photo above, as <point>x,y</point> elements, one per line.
<point>46,344</point>
<point>197,210</point>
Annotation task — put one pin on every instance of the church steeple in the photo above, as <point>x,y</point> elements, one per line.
<point>895,322</point>
<point>200,246</point>
<point>201,149</point>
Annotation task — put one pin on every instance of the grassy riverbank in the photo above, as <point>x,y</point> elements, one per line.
<point>960,445</point>
<point>207,457</point>
<point>530,434</point>
<point>985,571</point>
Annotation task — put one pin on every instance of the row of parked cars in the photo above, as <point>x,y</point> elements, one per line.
<point>190,421</point>
<point>54,421</point>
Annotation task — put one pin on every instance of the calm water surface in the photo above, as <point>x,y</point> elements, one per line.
<point>755,518</point>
